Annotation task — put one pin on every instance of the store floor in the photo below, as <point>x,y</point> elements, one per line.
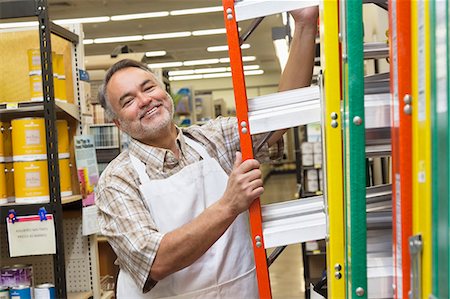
<point>286,273</point>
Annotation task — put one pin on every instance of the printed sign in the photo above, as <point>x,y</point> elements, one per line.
<point>29,235</point>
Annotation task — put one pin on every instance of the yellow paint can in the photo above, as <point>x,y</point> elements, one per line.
<point>9,176</point>
<point>28,139</point>
<point>65,177</point>
<point>63,138</point>
<point>3,193</point>
<point>31,182</point>
<point>34,61</point>
<point>7,141</point>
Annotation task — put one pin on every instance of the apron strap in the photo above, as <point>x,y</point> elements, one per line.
<point>140,168</point>
<point>197,147</point>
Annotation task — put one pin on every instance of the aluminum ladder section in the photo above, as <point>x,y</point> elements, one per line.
<point>259,117</point>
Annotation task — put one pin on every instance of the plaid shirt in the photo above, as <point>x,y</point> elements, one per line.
<point>124,216</point>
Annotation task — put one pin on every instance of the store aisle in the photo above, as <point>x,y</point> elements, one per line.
<point>286,273</point>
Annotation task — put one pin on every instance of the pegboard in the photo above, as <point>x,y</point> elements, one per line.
<point>78,255</point>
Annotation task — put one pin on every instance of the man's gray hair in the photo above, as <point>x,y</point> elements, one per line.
<point>102,95</point>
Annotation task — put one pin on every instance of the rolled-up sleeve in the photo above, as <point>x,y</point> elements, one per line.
<point>126,222</point>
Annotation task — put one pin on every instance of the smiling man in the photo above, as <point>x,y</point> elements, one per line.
<point>174,205</point>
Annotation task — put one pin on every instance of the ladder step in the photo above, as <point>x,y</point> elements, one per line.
<point>380,268</point>
<point>377,108</point>
<point>293,221</point>
<point>250,9</point>
<point>285,109</point>
<point>378,150</point>
<point>376,50</point>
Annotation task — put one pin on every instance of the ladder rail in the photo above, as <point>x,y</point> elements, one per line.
<point>240,96</point>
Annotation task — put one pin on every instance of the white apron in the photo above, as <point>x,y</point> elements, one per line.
<point>227,269</point>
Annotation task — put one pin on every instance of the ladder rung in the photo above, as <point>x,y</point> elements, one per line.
<point>293,221</point>
<point>285,109</point>
<point>378,150</point>
<point>250,9</point>
<point>380,274</point>
<point>377,108</point>
<point>376,50</point>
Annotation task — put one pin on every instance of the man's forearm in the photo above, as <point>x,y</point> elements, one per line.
<point>183,246</point>
<point>299,66</point>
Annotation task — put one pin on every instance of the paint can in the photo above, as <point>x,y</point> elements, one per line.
<point>29,139</point>
<point>31,182</point>
<point>63,138</point>
<point>65,177</point>
<point>20,292</point>
<point>4,292</point>
<point>44,291</point>
<point>3,191</point>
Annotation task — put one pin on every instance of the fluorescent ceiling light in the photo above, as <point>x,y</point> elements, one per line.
<point>210,70</point>
<point>167,35</point>
<point>252,73</point>
<point>82,20</point>
<point>281,50</point>
<point>88,41</point>
<point>209,31</point>
<point>18,24</point>
<point>155,53</point>
<point>195,10</point>
<point>244,58</point>
<point>169,64</point>
<point>118,17</point>
<point>165,64</point>
<point>188,77</point>
<point>217,75</point>
<point>213,75</point>
<point>201,61</point>
<point>181,73</point>
<point>247,68</point>
<point>118,39</point>
<point>136,16</point>
<point>225,48</point>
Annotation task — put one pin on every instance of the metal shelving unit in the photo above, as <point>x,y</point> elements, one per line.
<point>74,252</point>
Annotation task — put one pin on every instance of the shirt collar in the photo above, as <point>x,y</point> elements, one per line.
<point>156,156</point>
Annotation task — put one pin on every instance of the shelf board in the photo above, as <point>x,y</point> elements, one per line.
<point>70,199</point>
<point>107,147</point>
<point>14,108</point>
<point>64,200</point>
<point>80,295</point>
<point>102,125</point>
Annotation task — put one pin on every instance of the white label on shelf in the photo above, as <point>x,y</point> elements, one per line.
<point>32,179</point>
<point>31,236</point>
<point>32,137</point>
<point>394,48</point>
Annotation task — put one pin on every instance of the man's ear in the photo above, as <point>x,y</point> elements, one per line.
<point>117,123</point>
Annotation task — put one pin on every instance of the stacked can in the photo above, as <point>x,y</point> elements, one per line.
<point>35,74</point>
<point>17,280</point>
<point>60,82</point>
<point>6,167</point>
<point>30,164</point>
<point>44,291</point>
